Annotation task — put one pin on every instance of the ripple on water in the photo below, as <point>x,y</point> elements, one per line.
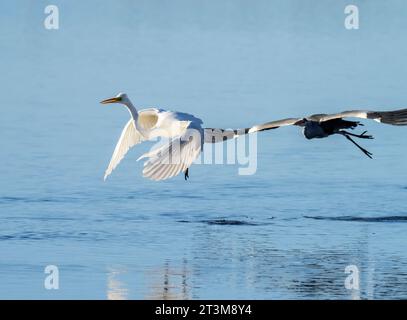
<point>361,219</point>
<point>28,235</point>
<point>6,199</point>
<point>226,222</point>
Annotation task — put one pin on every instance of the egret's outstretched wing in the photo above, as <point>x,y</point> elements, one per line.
<point>275,124</point>
<point>173,157</point>
<point>397,117</point>
<point>129,137</point>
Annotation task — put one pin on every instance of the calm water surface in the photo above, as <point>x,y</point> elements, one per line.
<point>289,231</point>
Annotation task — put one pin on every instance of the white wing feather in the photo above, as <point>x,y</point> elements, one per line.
<point>172,158</point>
<point>128,138</point>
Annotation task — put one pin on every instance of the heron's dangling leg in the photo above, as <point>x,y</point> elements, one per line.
<point>369,154</point>
<point>186,176</point>
<point>361,136</point>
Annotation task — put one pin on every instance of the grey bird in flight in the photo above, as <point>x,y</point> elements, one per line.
<point>325,125</point>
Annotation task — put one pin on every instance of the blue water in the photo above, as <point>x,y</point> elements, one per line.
<point>288,231</point>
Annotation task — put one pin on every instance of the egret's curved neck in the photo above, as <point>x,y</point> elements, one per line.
<point>132,110</point>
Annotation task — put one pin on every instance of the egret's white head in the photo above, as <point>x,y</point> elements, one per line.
<point>120,98</point>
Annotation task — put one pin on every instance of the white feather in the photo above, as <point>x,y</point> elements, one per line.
<point>128,138</point>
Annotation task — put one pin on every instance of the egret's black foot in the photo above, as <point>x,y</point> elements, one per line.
<point>186,176</point>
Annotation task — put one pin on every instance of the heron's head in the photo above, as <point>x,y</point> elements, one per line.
<point>301,122</point>
<point>120,98</point>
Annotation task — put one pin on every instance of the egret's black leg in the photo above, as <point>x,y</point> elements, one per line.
<point>186,176</point>
<point>361,136</point>
<point>369,154</point>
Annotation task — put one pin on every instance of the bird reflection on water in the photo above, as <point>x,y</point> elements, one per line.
<point>169,282</point>
<point>116,289</point>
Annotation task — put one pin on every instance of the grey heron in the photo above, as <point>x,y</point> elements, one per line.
<point>325,125</point>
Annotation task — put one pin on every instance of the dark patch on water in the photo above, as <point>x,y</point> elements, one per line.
<point>156,196</point>
<point>11,199</point>
<point>189,196</point>
<point>361,219</point>
<point>53,235</point>
<point>35,200</point>
<point>229,222</point>
<point>37,218</point>
<point>225,222</point>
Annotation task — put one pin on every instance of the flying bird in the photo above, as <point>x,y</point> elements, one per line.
<point>186,135</point>
<point>185,139</point>
<point>325,125</point>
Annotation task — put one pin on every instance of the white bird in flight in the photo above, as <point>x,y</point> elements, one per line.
<point>185,133</point>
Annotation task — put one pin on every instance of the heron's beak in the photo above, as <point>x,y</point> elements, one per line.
<point>111,100</point>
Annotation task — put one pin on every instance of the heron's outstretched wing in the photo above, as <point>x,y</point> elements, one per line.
<point>275,124</point>
<point>129,137</point>
<point>173,157</point>
<point>212,135</point>
<point>396,117</point>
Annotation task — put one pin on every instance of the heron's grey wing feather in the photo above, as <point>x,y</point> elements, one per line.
<point>213,135</point>
<point>275,124</point>
<point>128,138</point>
<point>396,117</point>
<point>346,114</point>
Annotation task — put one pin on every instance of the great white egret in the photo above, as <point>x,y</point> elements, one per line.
<point>185,133</point>
<point>325,125</point>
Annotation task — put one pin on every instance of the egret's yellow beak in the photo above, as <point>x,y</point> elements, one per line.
<point>111,100</point>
